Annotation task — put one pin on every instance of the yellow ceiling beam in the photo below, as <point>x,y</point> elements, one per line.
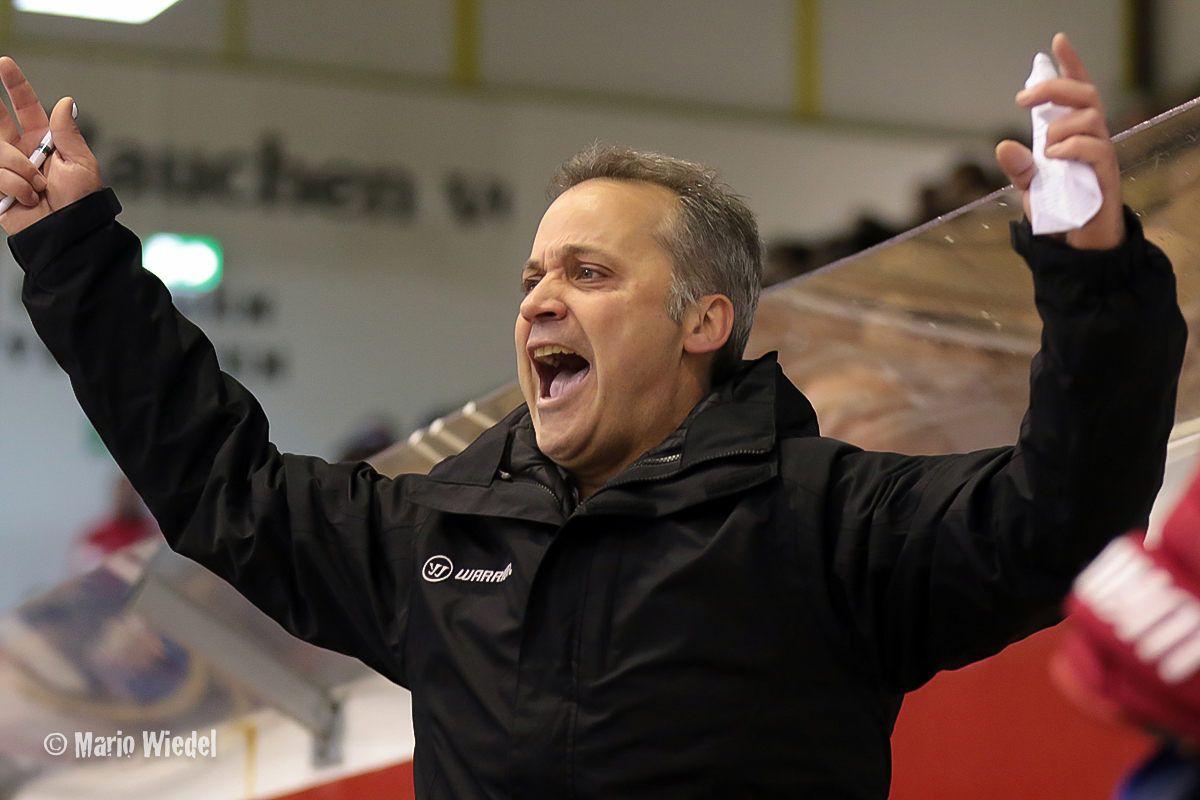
<point>807,79</point>
<point>465,69</point>
<point>6,24</point>
<point>236,43</point>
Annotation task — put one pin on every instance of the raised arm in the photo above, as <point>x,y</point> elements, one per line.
<point>947,559</point>
<point>326,550</point>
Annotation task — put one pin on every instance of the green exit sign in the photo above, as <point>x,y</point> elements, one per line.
<point>186,264</point>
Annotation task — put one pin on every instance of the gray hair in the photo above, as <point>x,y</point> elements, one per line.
<point>712,241</point>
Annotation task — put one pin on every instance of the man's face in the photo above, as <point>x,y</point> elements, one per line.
<point>599,360</point>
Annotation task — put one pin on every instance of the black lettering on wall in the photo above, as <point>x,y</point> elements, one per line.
<point>126,171</point>
<point>225,303</point>
<point>474,199</point>
<point>390,194</point>
<point>265,364</point>
<point>270,176</point>
<point>270,168</point>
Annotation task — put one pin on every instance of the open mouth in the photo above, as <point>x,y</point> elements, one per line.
<point>559,370</point>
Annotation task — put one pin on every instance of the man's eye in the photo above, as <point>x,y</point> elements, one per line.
<point>528,283</point>
<point>587,273</point>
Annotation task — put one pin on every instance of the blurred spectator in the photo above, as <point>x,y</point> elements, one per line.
<point>132,662</point>
<point>114,658</point>
<point>1133,654</point>
<point>866,231</point>
<point>128,523</point>
<point>787,259</point>
<point>966,183</point>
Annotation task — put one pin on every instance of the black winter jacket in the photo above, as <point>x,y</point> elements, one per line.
<point>737,614</point>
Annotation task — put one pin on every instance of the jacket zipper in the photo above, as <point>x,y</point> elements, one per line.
<point>519,479</point>
<point>727,454</point>
<point>575,660</point>
<point>662,459</point>
<point>504,475</point>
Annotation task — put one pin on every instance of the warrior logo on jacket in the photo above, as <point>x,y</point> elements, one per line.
<point>437,568</point>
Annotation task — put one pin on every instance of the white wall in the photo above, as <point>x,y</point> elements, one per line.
<point>955,63</point>
<point>705,50</point>
<point>948,63</point>
<point>412,37</point>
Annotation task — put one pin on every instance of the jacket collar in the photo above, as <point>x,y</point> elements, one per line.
<point>733,431</point>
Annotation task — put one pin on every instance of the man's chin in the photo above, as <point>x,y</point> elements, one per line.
<point>559,443</point>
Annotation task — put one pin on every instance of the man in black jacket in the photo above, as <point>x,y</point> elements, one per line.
<point>656,579</point>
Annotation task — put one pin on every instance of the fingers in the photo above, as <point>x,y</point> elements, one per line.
<point>1017,162</point>
<point>18,177</point>
<point>8,73</point>
<point>1074,88</point>
<point>1069,62</point>
<point>30,114</point>
<point>1088,149</point>
<point>18,189</point>
<point>1062,91</point>
<point>12,160</point>
<point>1079,134</point>
<point>1080,122</point>
<point>68,141</point>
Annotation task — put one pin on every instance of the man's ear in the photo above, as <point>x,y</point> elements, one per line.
<point>708,324</point>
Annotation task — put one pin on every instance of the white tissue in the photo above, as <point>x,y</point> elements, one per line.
<point>1064,195</point>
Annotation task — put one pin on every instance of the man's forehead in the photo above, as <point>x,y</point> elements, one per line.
<point>604,193</point>
<point>601,217</point>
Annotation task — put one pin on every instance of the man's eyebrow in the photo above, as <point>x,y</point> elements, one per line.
<point>575,250</point>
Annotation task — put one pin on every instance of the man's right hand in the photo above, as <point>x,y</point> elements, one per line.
<point>68,175</point>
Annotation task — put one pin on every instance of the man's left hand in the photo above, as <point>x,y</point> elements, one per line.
<point>1079,135</point>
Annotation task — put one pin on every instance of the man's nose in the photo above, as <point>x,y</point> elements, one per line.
<point>544,301</point>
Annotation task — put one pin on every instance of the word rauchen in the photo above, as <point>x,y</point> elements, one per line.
<point>271,177</point>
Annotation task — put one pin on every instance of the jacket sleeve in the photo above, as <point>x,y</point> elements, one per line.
<point>945,560</point>
<point>324,549</point>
